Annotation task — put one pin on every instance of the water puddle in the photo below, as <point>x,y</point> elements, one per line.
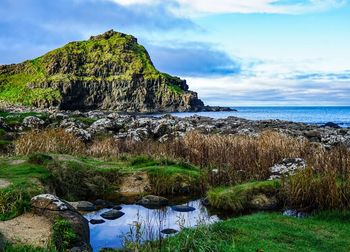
<point>145,223</point>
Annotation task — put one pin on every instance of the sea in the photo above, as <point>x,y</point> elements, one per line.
<point>311,115</point>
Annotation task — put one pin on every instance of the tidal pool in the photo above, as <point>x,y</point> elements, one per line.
<point>148,222</point>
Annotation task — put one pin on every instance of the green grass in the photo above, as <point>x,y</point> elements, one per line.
<point>236,198</point>
<point>81,178</point>
<point>166,176</point>
<point>272,232</point>
<point>63,235</point>
<point>26,182</point>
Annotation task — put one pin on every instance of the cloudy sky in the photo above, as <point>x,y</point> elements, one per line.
<point>232,52</point>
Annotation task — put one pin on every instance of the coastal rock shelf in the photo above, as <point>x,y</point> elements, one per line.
<point>87,125</point>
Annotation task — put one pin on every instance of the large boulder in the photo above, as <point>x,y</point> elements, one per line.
<point>54,209</point>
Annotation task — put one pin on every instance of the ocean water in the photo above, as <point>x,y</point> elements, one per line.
<point>310,115</point>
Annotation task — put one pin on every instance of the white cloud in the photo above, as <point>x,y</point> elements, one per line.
<point>269,83</point>
<point>202,7</point>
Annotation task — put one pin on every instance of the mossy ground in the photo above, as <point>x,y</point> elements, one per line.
<point>236,198</point>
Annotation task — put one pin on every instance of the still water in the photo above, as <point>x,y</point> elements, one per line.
<point>112,233</point>
<point>310,115</point>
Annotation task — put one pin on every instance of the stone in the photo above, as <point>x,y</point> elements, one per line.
<point>32,122</point>
<point>117,207</point>
<point>287,167</point>
<point>313,134</point>
<point>182,208</point>
<point>169,231</point>
<point>262,202</point>
<point>80,133</point>
<point>86,206</point>
<point>153,201</point>
<point>53,208</point>
<point>96,221</point>
<point>49,202</point>
<point>103,125</point>
<point>112,214</point>
<point>100,203</point>
<point>332,125</point>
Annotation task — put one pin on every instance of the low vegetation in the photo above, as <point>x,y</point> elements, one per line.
<point>327,231</point>
<point>63,236</point>
<point>230,170</point>
<point>236,198</point>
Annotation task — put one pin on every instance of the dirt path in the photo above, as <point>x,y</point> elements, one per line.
<point>27,229</point>
<point>4,183</point>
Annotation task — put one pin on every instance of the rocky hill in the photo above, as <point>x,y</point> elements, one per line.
<point>108,71</point>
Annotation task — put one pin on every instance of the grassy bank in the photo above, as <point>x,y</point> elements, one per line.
<point>80,178</point>
<point>327,231</point>
<point>238,198</point>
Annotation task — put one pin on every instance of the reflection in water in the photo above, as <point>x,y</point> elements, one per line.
<point>149,222</point>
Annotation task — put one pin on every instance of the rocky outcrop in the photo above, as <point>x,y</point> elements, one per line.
<point>108,71</point>
<point>287,167</point>
<point>54,209</point>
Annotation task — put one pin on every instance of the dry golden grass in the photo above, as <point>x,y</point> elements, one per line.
<point>325,184</point>
<point>107,147</point>
<point>49,141</point>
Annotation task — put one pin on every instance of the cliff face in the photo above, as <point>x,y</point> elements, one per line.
<point>108,71</point>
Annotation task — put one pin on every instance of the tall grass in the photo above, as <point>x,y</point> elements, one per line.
<point>225,160</point>
<point>49,141</point>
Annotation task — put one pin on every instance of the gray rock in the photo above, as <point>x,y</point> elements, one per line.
<point>286,167</point>
<point>96,221</point>
<point>32,122</point>
<point>112,214</point>
<point>182,208</point>
<point>80,133</point>
<point>86,206</point>
<point>168,231</point>
<point>153,201</point>
<point>53,208</point>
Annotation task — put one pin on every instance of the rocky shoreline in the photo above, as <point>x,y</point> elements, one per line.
<point>139,127</point>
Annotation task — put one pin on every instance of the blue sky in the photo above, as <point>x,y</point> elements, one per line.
<point>247,52</point>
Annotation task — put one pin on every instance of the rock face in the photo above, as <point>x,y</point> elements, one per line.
<point>54,208</point>
<point>108,71</point>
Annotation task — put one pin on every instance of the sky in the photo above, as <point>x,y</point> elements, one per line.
<point>232,52</point>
